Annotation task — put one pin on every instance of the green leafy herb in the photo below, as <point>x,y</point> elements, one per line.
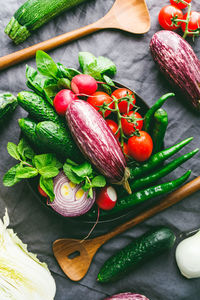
<point>108,80</point>
<point>45,64</point>
<point>26,172</point>
<point>44,160</point>
<point>10,178</point>
<point>25,150</point>
<point>46,185</point>
<point>49,171</point>
<point>84,174</point>
<point>12,150</point>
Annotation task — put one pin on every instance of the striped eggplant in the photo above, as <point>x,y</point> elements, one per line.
<point>127,296</point>
<point>178,62</point>
<point>97,142</point>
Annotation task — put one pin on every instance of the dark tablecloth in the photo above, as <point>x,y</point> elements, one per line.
<point>158,279</point>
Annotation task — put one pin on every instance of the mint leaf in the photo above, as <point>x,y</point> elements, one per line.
<point>71,175</point>
<point>49,171</point>
<point>85,59</point>
<point>44,160</point>
<point>26,172</point>
<point>25,150</point>
<point>86,186</point>
<point>64,83</point>
<point>106,66</point>
<point>108,80</point>
<point>46,185</point>
<point>45,64</point>
<point>90,193</point>
<point>10,178</point>
<point>83,170</point>
<point>12,150</point>
<point>99,181</point>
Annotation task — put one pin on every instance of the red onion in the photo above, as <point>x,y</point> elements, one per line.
<point>67,202</point>
<point>127,296</point>
<point>97,142</point>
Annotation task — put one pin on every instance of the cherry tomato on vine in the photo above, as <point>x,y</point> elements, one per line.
<point>166,16</point>
<point>99,98</point>
<point>180,5</point>
<point>128,127</point>
<point>113,126</point>
<point>123,105</point>
<point>140,147</point>
<point>194,22</point>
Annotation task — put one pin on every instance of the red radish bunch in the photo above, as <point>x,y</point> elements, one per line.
<point>84,84</point>
<point>106,198</point>
<point>62,100</point>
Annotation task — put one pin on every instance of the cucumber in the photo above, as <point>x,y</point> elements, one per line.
<point>142,249</point>
<point>33,14</point>
<point>39,108</point>
<point>8,103</point>
<point>58,140</point>
<point>28,129</point>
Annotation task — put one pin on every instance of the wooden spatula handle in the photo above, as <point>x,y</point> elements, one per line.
<point>184,191</point>
<point>24,54</point>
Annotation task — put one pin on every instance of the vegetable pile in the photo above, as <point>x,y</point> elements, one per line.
<point>85,140</point>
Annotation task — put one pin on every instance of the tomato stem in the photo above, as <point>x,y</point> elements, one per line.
<point>187,21</point>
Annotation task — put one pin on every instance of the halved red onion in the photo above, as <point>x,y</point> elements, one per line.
<point>70,199</point>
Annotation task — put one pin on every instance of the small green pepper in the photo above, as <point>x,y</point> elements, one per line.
<point>159,129</point>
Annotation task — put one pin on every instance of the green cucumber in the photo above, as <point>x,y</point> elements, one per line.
<point>39,108</point>
<point>142,249</point>
<point>33,14</point>
<point>8,103</point>
<point>58,140</point>
<point>28,129</point>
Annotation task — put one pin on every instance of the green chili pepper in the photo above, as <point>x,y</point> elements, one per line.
<point>159,129</point>
<point>156,160</point>
<point>130,200</point>
<point>163,171</point>
<point>150,113</point>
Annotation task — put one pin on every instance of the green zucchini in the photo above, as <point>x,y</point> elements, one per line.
<point>39,108</point>
<point>33,14</point>
<point>28,129</point>
<point>142,249</point>
<point>58,140</point>
<point>8,103</point>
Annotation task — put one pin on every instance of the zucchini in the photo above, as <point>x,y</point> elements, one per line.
<point>8,103</point>
<point>39,108</point>
<point>28,129</point>
<point>142,249</point>
<point>33,14</point>
<point>58,140</point>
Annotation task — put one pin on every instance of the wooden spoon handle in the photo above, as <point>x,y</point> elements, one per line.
<point>184,191</point>
<point>24,54</point>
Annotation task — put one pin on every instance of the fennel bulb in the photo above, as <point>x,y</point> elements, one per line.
<point>188,256</point>
<point>22,275</point>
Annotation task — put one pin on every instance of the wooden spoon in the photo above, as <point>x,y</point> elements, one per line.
<point>127,15</point>
<point>75,256</point>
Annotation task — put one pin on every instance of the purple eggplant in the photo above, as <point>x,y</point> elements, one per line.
<point>178,62</point>
<point>97,142</point>
<point>127,296</point>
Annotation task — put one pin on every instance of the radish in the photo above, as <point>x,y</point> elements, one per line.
<point>84,84</point>
<point>107,197</point>
<point>62,100</point>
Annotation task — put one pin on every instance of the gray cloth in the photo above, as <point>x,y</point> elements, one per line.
<point>158,279</point>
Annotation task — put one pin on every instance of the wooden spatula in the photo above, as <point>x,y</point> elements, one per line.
<point>75,256</point>
<point>127,15</point>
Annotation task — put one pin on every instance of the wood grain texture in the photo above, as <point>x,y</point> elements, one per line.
<point>127,15</point>
<point>77,267</point>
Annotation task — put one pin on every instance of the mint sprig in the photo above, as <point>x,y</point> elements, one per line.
<point>84,174</point>
<point>31,165</point>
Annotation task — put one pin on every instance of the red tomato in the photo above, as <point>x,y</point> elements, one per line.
<point>180,5</point>
<point>42,193</point>
<point>123,105</point>
<point>106,198</point>
<point>140,147</point>
<point>166,15</point>
<point>125,150</point>
<point>113,126</point>
<point>62,100</point>
<point>98,99</point>
<point>129,128</point>
<point>194,22</point>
